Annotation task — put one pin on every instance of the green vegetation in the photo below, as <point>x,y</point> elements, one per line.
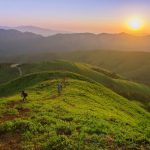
<point>126,88</point>
<point>134,66</point>
<point>86,116</point>
<point>7,73</point>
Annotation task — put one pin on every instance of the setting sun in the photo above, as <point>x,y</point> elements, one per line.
<point>135,24</point>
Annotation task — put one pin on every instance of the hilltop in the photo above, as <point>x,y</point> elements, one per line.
<point>86,116</point>
<point>129,89</point>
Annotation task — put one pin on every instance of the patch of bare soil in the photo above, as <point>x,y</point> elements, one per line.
<point>23,112</point>
<point>10,142</point>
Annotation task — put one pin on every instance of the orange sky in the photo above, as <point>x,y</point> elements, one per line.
<point>76,15</point>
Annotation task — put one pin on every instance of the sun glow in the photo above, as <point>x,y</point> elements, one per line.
<point>135,24</point>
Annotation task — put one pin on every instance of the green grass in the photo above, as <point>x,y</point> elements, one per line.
<point>7,73</point>
<point>32,79</point>
<point>85,116</point>
<point>132,65</point>
<point>126,88</point>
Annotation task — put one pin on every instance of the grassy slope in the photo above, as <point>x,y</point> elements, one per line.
<point>86,116</point>
<point>7,73</point>
<point>133,65</point>
<point>128,89</point>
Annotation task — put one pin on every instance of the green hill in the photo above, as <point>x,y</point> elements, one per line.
<point>126,88</point>
<point>85,116</point>
<point>7,73</point>
<point>132,65</point>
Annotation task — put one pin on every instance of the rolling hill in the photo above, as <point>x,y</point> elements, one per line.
<point>85,116</point>
<point>131,90</point>
<point>133,66</point>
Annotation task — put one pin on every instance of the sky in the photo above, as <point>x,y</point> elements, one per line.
<point>76,15</point>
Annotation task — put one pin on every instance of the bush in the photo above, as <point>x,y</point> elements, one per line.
<point>67,118</point>
<point>99,128</point>
<point>63,130</point>
<point>60,143</point>
<point>6,127</point>
<point>46,120</point>
<point>11,111</point>
<point>19,125</point>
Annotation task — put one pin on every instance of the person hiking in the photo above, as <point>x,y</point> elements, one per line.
<point>24,96</point>
<point>59,88</point>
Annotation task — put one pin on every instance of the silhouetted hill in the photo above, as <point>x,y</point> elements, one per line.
<point>13,42</point>
<point>34,29</point>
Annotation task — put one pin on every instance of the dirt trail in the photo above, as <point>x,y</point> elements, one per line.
<point>18,67</point>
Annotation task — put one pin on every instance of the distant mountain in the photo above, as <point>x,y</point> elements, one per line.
<point>13,42</point>
<point>34,29</point>
<point>5,27</point>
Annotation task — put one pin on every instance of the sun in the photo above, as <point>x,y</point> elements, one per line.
<point>135,24</point>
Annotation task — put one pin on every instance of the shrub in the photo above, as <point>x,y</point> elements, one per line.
<point>19,125</point>
<point>11,111</point>
<point>6,127</point>
<point>67,118</point>
<point>99,128</point>
<point>63,130</point>
<point>46,120</point>
<point>60,143</point>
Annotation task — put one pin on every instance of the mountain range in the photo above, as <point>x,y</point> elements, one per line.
<point>13,42</point>
<point>34,29</point>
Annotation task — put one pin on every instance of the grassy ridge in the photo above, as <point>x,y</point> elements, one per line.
<point>86,116</point>
<point>133,65</point>
<point>32,79</point>
<point>118,84</point>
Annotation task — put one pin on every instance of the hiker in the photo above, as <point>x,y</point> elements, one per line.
<point>24,96</point>
<point>59,88</point>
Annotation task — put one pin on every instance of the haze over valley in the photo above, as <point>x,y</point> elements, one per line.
<point>13,42</point>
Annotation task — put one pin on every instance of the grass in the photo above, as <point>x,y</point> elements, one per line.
<point>85,116</point>
<point>132,65</point>
<point>126,88</point>
<point>7,73</point>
